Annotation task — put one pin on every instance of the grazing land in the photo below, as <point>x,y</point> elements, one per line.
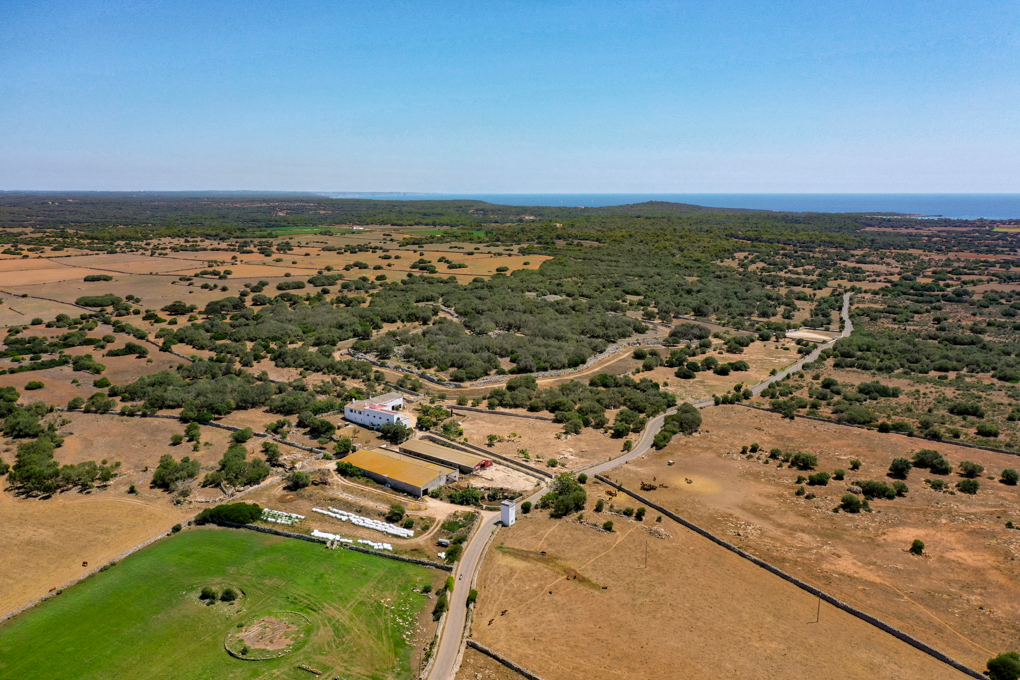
<point>364,618</point>
<point>271,314</point>
<point>955,596</point>
<point>694,607</point>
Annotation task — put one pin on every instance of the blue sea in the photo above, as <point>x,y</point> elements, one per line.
<point>958,206</point>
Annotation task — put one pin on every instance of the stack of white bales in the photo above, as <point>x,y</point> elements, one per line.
<point>366,522</point>
<point>280,517</point>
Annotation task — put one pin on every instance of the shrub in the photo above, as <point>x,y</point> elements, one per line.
<point>207,593</point>
<point>345,469</point>
<point>298,480</point>
<point>819,479</point>
<point>582,478</point>
<point>241,436</point>
<point>607,526</point>
<point>169,473</point>
<point>855,464</point>
<point>917,547</point>
<point>872,489</point>
<point>238,513</point>
<point>396,513</point>
<point>838,475</point>
<point>91,278</point>
<point>1004,667</point>
<point>932,460</point>
<point>34,385</point>
<point>442,604</point>
<point>639,514</point>
<point>525,507</point>
<point>271,451</point>
<point>804,461</point>
<point>75,404</point>
<point>176,439</point>
<point>395,433</point>
<point>987,430</point>
<point>472,597</point>
<point>900,488</point>
<point>102,383</point>
<point>900,468</point>
<point>1009,476</point>
<point>599,505</point>
<point>850,503</point>
<point>107,300</point>
<point>971,470</point>
<point>453,552</point>
<point>175,529</point>
<point>968,486</point>
<point>228,595</point>
<point>628,512</point>
<point>466,497</point>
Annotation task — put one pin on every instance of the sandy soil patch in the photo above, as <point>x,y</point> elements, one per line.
<point>953,598</point>
<point>269,633</point>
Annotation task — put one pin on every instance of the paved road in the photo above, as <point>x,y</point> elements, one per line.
<point>450,642</point>
<point>453,630</point>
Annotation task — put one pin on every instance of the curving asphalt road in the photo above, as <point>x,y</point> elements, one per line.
<point>451,640</point>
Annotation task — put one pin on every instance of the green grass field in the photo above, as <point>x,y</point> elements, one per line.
<point>142,618</point>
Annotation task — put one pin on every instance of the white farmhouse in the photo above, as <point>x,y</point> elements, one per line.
<point>377,411</point>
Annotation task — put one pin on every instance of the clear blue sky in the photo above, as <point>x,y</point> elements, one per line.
<point>718,96</point>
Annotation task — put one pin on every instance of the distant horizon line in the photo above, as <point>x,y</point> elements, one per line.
<point>507,193</point>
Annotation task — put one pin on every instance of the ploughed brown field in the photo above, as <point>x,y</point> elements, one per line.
<point>958,597</point>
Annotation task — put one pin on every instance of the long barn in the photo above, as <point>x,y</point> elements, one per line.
<point>401,472</point>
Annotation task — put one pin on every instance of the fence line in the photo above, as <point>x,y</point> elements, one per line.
<point>512,665</point>
<point>903,434</point>
<point>839,604</point>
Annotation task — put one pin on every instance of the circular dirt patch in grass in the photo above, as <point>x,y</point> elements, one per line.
<point>268,637</point>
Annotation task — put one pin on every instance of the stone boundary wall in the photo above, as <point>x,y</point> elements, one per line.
<point>839,604</point>
<point>499,412</point>
<point>902,434</point>
<point>505,661</point>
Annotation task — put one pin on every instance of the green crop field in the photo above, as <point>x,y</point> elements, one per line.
<point>143,618</point>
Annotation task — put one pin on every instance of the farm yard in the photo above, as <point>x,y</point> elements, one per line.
<point>955,596</point>
<point>363,615</point>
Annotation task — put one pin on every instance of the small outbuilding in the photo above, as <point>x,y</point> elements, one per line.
<point>508,513</point>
